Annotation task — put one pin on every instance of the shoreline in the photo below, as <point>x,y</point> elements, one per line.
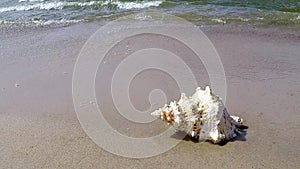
<point>41,130</point>
<point>284,31</point>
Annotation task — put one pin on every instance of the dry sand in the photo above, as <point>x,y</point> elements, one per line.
<point>39,127</point>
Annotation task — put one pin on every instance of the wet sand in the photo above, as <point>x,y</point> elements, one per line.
<point>39,127</point>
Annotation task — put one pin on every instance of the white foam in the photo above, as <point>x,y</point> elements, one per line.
<point>244,19</point>
<point>84,3</point>
<point>260,18</point>
<point>31,0</point>
<point>219,21</point>
<point>136,5</point>
<point>45,6</point>
<point>60,5</point>
<point>62,21</point>
<point>42,22</point>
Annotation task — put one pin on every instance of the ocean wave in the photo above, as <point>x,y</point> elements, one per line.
<point>60,22</point>
<point>218,20</point>
<point>62,4</point>
<point>31,0</point>
<point>137,5</point>
<point>57,22</point>
<point>67,12</point>
<point>43,6</point>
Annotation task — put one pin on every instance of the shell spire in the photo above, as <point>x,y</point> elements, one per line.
<point>203,116</point>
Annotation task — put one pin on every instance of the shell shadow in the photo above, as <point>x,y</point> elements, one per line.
<point>241,136</point>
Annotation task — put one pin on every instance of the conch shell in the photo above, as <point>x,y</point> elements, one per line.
<point>203,116</point>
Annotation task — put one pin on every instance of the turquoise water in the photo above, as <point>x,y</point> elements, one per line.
<point>49,12</point>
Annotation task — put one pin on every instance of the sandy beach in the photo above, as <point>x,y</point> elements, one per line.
<point>40,129</point>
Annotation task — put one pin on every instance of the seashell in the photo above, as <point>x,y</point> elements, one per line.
<point>203,116</point>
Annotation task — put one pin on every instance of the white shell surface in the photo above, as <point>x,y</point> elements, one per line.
<point>203,115</point>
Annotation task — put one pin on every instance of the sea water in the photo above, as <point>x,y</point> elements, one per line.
<point>65,12</point>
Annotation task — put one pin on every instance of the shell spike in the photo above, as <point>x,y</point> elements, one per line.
<point>183,96</point>
<point>207,89</point>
